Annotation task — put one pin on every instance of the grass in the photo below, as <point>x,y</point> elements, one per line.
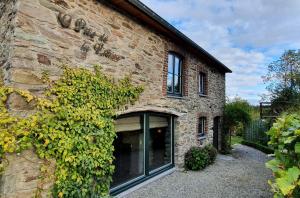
<point>236,140</point>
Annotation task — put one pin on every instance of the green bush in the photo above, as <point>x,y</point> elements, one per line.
<point>198,158</point>
<point>236,117</point>
<point>258,146</point>
<point>285,139</point>
<point>225,143</point>
<point>212,153</point>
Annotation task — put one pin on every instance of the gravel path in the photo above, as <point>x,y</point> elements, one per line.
<point>241,175</point>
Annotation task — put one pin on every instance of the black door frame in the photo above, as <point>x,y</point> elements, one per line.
<point>147,172</point>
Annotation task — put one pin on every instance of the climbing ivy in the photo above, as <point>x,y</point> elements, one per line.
<point>14,131</point>
<point>73,124</point>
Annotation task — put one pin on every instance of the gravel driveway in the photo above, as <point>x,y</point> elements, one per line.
<point>241,175</point>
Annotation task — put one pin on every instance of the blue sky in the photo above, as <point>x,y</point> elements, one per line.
<point>246,35</point>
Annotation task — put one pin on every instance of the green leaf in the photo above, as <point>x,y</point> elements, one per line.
<point>289,139</point>
<point>288,183</point>
<point>293,173</point>
<point>285,185</point>
<point>273,165</point>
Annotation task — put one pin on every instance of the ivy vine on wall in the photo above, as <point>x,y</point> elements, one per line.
<point>73,124</point>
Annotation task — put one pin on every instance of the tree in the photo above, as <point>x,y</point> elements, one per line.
<point>283,79</point>
<point>236,116</point>
<point>237,112</point>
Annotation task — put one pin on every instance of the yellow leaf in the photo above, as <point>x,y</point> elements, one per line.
<point>60,194</point>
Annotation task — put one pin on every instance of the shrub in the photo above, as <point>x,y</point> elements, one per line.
<point>212,153</point>
<point>236,117</point>
<point>258,146</point>
<point>285,139</point>
<point>198,158</point>
<point>225,143</point>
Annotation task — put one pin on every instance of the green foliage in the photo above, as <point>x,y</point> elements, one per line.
<point>236,112</point>
<point>236,140</point>
<point>283,81</point>
<point>285,138</point>
<point>240,103</point>
<point>212,153</point>
<point>14,131</point>
<point>75,126</point>
<point>236,117</point>
<point>198,158</point>
<point>225,143</point>
<point>258,146</point>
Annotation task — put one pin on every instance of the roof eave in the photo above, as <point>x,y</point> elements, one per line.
<point>155,17</point>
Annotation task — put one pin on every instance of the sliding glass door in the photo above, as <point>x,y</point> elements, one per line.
<point>159,142</point>
<point>129,150</point>
<point>143,148</point>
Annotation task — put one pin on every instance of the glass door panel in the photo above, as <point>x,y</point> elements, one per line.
<point>159,142</point>
<point>129,150</point>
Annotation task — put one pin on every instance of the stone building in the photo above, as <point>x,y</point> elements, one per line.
<point>184,97</point>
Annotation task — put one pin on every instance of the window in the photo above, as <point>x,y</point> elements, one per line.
<point>202,127</point>
<point>159,142</point>
<point>202,83</point>
<point>143,148</point>
<point>129,149</point>
<point>174,85</point>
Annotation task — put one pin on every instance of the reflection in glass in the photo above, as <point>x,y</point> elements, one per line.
<point>170,63</point>
<point>177,84</point>
<point>176,66</point>
<point>174,74</point>
<point>159,142</point>
<point>129,150</point>
<point>170,83</point>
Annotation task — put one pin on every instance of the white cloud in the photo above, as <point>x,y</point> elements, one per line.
<point>244,35</point>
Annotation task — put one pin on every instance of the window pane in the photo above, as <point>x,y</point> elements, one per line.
<point>129,150</point>
<point>202,123</point>
<point>159,142</point>
<point>170,63</point>
<point>177,84</point>
<point>177,66</point>
<point>180,68</point>
<point>170,83</point>
<point>200,126</point>
<point>202,83</point>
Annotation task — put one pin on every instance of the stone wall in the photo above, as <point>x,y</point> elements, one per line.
<point>41,45</point>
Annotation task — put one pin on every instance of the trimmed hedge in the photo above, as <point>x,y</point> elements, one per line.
<point>257,146</point>
<point>198,158</point>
